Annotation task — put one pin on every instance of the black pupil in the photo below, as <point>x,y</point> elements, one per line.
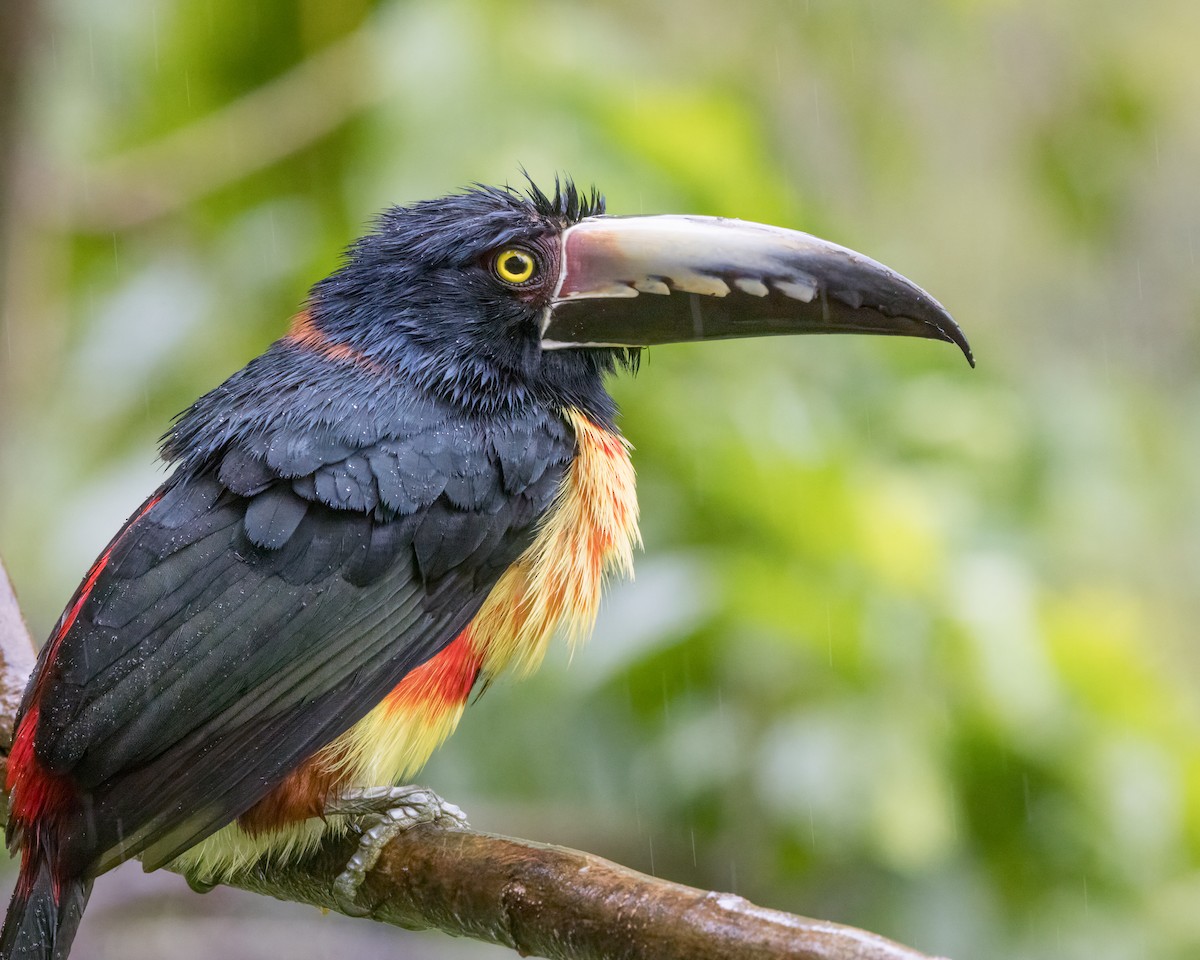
<point>515,264</point>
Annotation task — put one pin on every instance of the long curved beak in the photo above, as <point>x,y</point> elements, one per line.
<point>637,281</point>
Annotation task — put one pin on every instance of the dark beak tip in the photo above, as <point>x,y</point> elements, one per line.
<point>946,327</point>
<point>955,336</point>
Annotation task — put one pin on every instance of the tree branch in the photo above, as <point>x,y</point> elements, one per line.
<point>16,662</point>
<point>538,899</point>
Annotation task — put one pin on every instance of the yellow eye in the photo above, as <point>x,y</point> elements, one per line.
<point>515,265</point>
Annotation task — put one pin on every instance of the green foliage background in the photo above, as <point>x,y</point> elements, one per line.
<point>911,647</point>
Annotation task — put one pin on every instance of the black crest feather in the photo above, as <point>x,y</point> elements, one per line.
<point>568,204</point>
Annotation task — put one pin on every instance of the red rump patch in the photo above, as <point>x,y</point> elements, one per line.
<point>40,802</point>
<point>39,796</point>
<point>444,680</point>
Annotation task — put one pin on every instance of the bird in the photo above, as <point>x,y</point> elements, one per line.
<point>405,496</point>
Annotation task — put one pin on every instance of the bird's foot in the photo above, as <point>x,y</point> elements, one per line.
<point>383,813</point>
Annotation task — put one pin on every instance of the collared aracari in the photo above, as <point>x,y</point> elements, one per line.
<point>403,497</point>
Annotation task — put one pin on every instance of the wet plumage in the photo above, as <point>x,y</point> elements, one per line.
<point>403,497</point>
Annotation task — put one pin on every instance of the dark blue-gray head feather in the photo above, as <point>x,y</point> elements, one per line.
<point>419,306</point>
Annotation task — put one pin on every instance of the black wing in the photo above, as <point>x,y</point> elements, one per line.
<point>264,605</point>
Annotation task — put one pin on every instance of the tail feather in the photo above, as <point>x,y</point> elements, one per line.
<point>44,913</point>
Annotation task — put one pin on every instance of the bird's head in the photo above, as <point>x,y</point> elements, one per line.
<point>492,295</point>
